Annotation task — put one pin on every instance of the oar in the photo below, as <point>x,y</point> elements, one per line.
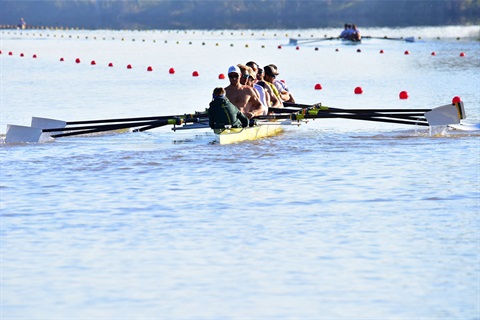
<point>405,116</point>
<point>152,118</point>
<point>402,114</point>
<point>102,126</point>
<point>439,116</point>
<point>135,119</point>
<point>299,117</point>
<point>408,39</point>
<point>110,127</point>
<point>178,122</point>
<point>411,115</point>
<point>294,42</point>
<point>148,125</point>
<point>359,117</point>
<point>325,108</point>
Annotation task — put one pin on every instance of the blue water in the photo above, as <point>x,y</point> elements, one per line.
<point>336,219</point>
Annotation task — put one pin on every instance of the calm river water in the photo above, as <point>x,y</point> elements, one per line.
<point>336,219</point>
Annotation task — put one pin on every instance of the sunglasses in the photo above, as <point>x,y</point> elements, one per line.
<point>245,76</point>
<point>233,75</point>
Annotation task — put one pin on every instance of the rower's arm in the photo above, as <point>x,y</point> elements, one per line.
<point>276,103</point>
<point>257,106</point>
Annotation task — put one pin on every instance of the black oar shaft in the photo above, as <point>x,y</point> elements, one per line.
<point>179,122</point>
<point>111,127</point>
<point>357,117</point>
<point>100,126</point>
<point>328,109</point>
<point>295,117</point>
<point>134,119</point>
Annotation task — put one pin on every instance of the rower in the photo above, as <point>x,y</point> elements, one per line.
<point>259,84</point>
<point>355,36</point>
<point>269,77</point>
<point>248,78</point>
<point>345,32</point>
<point>223,114</point>
<point>242,96</point>
<point>281,86</point>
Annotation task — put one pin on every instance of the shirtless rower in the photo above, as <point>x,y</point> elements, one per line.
<point>248,79</point>
<point>275,102</point>
<point>243,97</point>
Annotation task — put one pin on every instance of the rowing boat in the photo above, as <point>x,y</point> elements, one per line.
<point>302,41</point>
<point>43,129</point>
<point>259,131</point>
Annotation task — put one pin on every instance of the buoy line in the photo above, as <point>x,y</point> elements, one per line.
<point>403,95</point>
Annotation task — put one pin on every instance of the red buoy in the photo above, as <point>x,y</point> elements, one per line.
<point>456,99</point>
<point>221,76</point>
<point>318,86</point>
<point>195,74</point>
<point>298,48</point>
<point>358,90</point>
<point>149,68</point>
<point>381,51</point>
<point>129,66</point>
<point>434,53</point>
<point>279,47</point>
<point>171,71</point>
<point>77,60</point>
<point>110,64</point>
<point>61,59</point>
<point>92,63</point>
<point>358,50</point>
<point>462,54</point>
<point>316,48</point>
<point>10,53</point>
<point>34,56</point>
<point>403,95</point>
<point>407,52</point>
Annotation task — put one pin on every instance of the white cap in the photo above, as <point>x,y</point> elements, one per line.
<point>234,69</point>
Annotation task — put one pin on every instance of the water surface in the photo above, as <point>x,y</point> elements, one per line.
<point>336,219</point>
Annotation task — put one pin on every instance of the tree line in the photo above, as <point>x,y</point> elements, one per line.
<point>238,14</point>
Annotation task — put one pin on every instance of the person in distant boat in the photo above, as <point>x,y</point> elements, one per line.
<point>22,24</point>
<point>223,114</point>
<point>242,96</point>
<point>248,79</point>
<point>345,32</point>
<point>282,88</point>
<point>355,35</point>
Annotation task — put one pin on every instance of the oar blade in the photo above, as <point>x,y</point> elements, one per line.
<point>22,134</point>
<point>444,115</point>
<point>46,123</point>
